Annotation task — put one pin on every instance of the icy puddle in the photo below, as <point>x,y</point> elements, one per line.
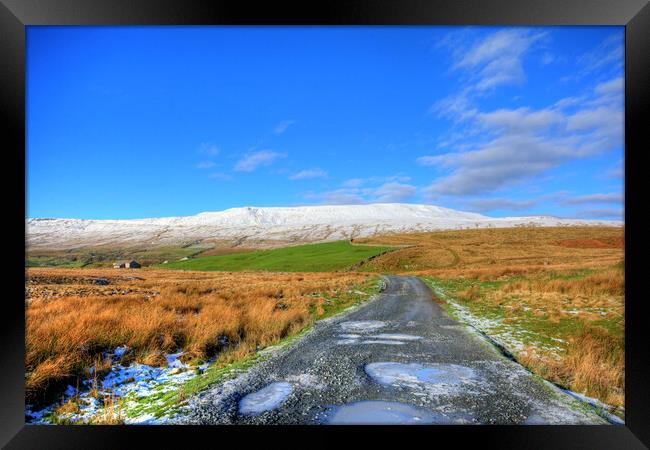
<point>435,378</point>
<point>265,399</point>
<point>382,338</point>
<point>362,326</point>
<point>382,413</point>
<point>399,337</point>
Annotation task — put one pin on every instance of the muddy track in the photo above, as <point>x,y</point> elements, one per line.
<point>397,359</point>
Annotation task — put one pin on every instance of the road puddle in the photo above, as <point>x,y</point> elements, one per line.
<point>398,337</point>
<point>370,338</point>
<point>265,399</point>
<point>381,413</point>
<point>362,326</point>
<point>433,377</point>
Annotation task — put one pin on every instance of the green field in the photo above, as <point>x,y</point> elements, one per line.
<point>326,257</point>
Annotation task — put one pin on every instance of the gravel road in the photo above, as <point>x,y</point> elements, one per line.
<point>398,358</point>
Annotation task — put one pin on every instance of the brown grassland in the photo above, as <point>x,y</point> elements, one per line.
<point>560,291</point>
<point>73,316</point>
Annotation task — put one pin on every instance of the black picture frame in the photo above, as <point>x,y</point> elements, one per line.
<point>15,15</point>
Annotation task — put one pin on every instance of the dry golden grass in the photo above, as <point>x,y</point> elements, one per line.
<point>586,313</point>
<point>555,283</point>
<point>492,250</point>
<point>70,321</point>
<point>594,363</point>
<point>112,412</point>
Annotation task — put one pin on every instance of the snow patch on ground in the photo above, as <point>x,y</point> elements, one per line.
<point>131,384</point>
<point>600,406</point>
<point>509,337</point>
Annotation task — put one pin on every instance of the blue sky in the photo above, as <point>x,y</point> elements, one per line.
<point>131,122</point>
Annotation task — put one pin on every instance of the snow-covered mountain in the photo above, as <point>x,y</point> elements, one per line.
<point>280,225</point>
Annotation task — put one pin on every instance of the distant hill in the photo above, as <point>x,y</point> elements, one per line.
<point>274,226</point>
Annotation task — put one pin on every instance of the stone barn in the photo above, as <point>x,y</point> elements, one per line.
<point>126,265</point>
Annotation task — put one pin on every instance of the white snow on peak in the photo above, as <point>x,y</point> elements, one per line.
<point>281,224</point>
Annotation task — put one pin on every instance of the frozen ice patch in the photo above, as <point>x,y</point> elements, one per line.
<point>265,399</point>
<point>398,337</point>
<point>436,378</point>
<point>381,412</point>
<point>362,326</point>
<point>382,338</point>
<point>381,341</point>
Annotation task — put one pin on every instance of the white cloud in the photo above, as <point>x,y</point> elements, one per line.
<point>254,160</point>
<point>458,107</point>
<point>519,120</point>
<point>209,149</point>
<point>593,118</point>
<point>494,61</point>
<point>502,161</point>
<point>353,182</point>
<point>609,213</point>
<point>352,191</point>
<point>547,58</point>
<point>341,197</point>
<point>522,143</point>
<point>205,165</point>
<point>283,126</point>
<point>617,171</point>
<point>491,204</point>
<point>357,182</point>
<point>394,192</point>
<point>221,176</point>
<point>488,150</point>
<point>608,56</point>
<point>567,102</point>
<point>612,197</point>
<point>497,59</point>
<point>310,173</point>
<point>615,87</point>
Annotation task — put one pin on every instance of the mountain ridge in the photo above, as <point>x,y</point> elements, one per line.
<point>275,224</point>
